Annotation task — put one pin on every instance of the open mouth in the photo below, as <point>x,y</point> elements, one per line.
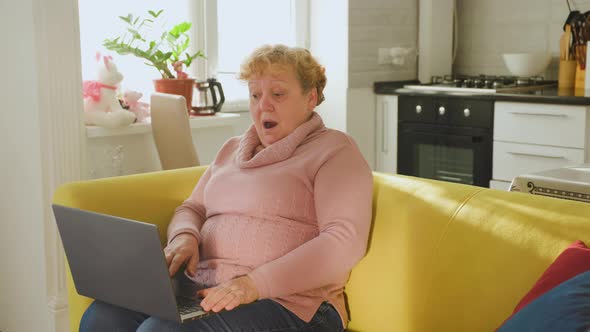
<point>269,124</point>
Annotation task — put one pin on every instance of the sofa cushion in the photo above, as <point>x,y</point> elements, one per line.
<point>574,260</point>
<point>563,308</point>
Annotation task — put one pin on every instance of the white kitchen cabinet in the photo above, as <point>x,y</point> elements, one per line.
<point>532,137</point>
<point>386,134</point>
<point>541,124</point>
<point>500,185</point>
<point>513,159</point>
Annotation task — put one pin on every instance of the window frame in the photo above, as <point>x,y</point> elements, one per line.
<point>203,15</point>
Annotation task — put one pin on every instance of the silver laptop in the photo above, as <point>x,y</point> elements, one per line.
<point>121,262</point>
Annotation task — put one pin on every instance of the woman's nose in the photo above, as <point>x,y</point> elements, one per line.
<point>266,103</point>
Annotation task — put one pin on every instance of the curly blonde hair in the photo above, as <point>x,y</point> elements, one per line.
<point>280,57</point>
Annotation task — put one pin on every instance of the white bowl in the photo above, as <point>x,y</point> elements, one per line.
<point>526,64</point>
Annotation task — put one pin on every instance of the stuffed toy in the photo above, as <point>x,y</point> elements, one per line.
<point>178,69</point>
<point>140,109</point>
<point>101,106</point>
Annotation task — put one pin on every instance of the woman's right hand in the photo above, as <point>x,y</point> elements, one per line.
<point>184,248</point>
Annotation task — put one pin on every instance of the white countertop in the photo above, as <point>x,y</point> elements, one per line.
<point>217,120</point>
<point>571,183</point>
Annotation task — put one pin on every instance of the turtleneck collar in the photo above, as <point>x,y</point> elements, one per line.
<point>251,155</point>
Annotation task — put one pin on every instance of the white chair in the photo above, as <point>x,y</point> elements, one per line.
<point>172,132</point>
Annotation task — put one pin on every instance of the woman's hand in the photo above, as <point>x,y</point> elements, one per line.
<point>184,248</point>
<point>229,295</point>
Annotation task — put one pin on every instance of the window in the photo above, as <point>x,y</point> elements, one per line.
<point>226,30</point>
<point>100,20</point>
<point>241,26</point>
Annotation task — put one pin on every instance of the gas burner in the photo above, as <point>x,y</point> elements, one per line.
<point>484,83</point>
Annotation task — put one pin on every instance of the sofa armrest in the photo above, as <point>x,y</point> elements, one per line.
<point>148,197</point>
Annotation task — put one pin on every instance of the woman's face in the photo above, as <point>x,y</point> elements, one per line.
<point>278,105</point>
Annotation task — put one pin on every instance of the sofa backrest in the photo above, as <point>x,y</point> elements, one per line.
<point>451,257</point>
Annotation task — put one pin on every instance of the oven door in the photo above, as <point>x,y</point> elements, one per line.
<point>462,155</point>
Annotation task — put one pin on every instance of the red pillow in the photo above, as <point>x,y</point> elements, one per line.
<point>574,260</point>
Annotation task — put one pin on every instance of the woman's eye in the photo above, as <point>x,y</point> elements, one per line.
<point>254,95</point>
<point>278,94</point>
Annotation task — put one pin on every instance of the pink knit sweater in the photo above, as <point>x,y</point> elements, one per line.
<point>294,216</point>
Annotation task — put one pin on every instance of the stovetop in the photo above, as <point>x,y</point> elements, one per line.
<point>484,84</point>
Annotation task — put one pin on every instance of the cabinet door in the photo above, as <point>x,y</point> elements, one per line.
<point>541,124</point>
<point>513,159</point>
<point>386,134</point>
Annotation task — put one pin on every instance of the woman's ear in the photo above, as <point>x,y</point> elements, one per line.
<point>312,98</point>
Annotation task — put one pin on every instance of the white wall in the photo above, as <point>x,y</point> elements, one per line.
<point>41,128</point>
<point>375,24</point>
<point>22,245</point>
<point>489,28</point>
<point>329,44</point>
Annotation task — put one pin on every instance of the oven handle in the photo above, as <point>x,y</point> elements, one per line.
<point>535,155</point>
<point>449,178</point>
<point>385,128</point>
<point>540,114</point>
<point>478,136</point>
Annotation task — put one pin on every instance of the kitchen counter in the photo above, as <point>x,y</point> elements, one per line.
<point>551,95</point>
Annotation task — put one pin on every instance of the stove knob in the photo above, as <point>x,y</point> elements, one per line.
<point>466,112</point>
<point>441,110</point>
<point>418,109</point>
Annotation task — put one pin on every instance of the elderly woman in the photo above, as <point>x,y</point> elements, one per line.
<point>277,221</point>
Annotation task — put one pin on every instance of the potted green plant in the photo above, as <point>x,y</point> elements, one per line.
<point>163,49</point>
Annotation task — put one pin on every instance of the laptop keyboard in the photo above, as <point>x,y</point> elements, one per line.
<point>187,306</point>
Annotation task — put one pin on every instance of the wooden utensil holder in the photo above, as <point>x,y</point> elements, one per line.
<point>580,77</point>
<point>567,73</point>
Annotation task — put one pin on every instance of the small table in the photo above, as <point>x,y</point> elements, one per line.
<point>571,183</point>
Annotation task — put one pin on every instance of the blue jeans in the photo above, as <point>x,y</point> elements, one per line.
<point>258,316</point>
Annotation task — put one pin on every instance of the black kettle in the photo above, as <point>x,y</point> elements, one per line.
<point>208,97</point>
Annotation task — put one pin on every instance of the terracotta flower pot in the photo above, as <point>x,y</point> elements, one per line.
<point>175,86</point>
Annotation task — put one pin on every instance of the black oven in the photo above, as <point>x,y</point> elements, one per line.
<point>446,138</point>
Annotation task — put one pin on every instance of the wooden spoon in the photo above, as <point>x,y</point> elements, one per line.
<point>568,38</point>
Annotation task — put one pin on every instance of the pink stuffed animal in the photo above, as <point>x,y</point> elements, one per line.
<point>140,109</point>
<point>178,69</point>
<point>101,106</point>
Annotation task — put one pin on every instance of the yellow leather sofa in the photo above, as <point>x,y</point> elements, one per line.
<point>442,256</point>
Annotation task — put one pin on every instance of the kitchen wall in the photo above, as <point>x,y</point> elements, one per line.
<point>488,28</point>
<point>375,24</point>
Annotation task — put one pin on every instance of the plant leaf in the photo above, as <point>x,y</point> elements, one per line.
<point>127,18</point>
<point>166,56</point>
<point>180,28</point>
<point>185,45</point>
<point>135,34</point>
<point>188,60</point>
<point>154,14</point>
<point>199,54</point>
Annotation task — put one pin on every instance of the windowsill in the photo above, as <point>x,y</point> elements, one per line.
<point>235,106</point>
<point>217,120</point>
